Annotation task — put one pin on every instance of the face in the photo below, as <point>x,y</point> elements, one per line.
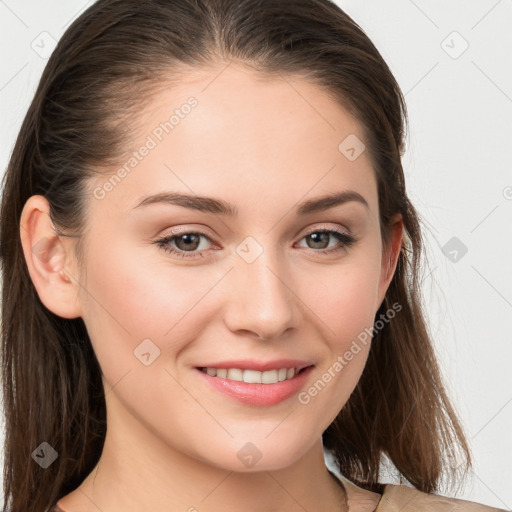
<point>263,277</point>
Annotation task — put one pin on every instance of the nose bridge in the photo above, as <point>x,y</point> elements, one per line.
<point>263,301</point>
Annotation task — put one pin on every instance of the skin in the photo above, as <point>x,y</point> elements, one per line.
<point>263,144</point>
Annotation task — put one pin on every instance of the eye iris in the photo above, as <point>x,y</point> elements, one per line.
<point>191,241</point>
<point>316,238</point>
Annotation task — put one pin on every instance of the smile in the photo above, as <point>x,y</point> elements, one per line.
<point>253,387</point>
<point>252,376</point>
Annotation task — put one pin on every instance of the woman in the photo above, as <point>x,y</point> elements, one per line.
<point>211,271</point>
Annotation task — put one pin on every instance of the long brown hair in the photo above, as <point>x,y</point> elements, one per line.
<point>104,67</point>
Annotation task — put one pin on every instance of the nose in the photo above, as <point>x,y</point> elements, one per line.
<point>262,302</point>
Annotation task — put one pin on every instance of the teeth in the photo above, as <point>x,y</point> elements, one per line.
<point>270,377</point>
<point>252,376</point>
<point>234,374</point>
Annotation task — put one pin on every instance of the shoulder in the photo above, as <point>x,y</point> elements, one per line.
<point>407,499</point>
<point>400,498</point>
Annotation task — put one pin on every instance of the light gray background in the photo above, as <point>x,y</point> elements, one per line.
<point>458,166</point>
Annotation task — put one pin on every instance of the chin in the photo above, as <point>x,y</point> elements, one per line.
<point>253,456</point>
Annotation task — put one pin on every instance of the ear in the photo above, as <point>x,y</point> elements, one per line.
<point>390,255</point>
<point>50,259</point>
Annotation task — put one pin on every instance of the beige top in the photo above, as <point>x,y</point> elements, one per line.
<point>400,498</point>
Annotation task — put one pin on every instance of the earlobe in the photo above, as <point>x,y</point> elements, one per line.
<point>49,259</point>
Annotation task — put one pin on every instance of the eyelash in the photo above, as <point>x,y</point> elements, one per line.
<point>345,239</point>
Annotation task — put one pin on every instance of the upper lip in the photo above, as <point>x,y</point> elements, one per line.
<point>251,364</point>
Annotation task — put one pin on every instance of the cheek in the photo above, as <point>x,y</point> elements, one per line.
<point>342,365</point>
<point>345,300</point>
<point>129,299</point>
<point>348,303</point>
<point>345,307</point>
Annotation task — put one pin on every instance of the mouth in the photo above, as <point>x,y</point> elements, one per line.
<point>256,388</point>
<point>251,376</point>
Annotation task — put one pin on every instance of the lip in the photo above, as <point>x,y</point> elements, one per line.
<point>251,364</point>
<point>259,395</point>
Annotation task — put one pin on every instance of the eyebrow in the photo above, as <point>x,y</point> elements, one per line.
<point>221,207</point>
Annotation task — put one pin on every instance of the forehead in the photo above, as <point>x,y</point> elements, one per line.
<point>230,132</point>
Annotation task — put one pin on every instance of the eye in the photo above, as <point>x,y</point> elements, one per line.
<point>187,242</point>
<point>320,240</point>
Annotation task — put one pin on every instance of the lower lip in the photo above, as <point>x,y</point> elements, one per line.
<point>258,394</point>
